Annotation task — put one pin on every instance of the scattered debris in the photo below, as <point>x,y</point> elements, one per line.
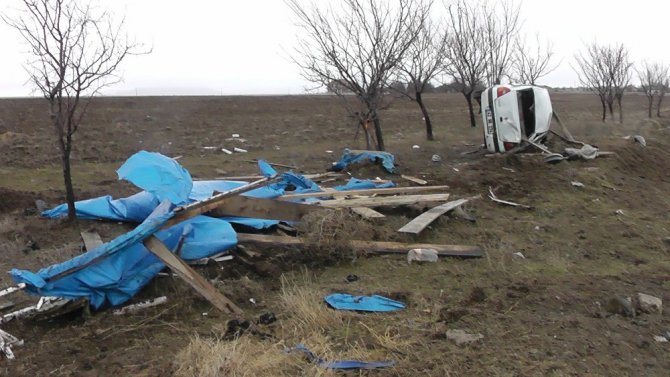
<point>519,255</point>
<point>618,212</point>
<point>509,169</point>
<point>462,337</point>
<point>41,205</point>
<point>436,158</point>
<point>226,151</point>
<point>416,146</point>
<point>493,197</point>
<point>267,318</point>
<point>374,303</point>
<point>660,339</point>
<point>8,340</point>
<point>352,278</point>
<point>577,184</point>
<point>141,305</point>
<point>421,255</point>
<point>649,304</point>
<point>460,212</point>
<point>640,140</point>
<point>344,364</point>
<point>239,150</point>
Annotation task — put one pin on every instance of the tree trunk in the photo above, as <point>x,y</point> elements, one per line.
<point>602,102</point>
<point>473,123</point>
<point>658,107</point>
<point>426,117</point>
<point>65,147</point>
<point>378,131</point>
<point>651,104</point>
<point>618,101</point>
<point>610,106</point>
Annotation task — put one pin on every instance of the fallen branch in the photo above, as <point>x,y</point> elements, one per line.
<point>493,197</point>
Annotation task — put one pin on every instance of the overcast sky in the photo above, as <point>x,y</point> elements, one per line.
<point>214,47</point>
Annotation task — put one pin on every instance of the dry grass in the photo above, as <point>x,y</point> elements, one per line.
<point>243,356</point>
<point>328,233</point>
<point>305,306</point>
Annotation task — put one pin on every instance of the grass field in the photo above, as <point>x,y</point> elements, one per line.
<point>542,315</point>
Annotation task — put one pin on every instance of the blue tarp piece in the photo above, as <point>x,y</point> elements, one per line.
<point>159,175</point>
<point>266,170</point>
<point>374,303</point>
<point>123,266</point>
<point>362,184</point>
<point>348,157</point>
<point>340,364</point>
<point>117,270</point>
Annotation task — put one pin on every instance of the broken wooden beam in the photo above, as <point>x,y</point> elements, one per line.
<point>195,280</point>
<point>376,191</point>
<point>384,201</point>
<point>198,208</point>
<point>260,208</point>
<point>140,305</point>
<point>420,222</point>
<point>91,240</point>
<point>375,247</point>
<point>255,161</point>
<point>367,213</point>
<point>416,180</point>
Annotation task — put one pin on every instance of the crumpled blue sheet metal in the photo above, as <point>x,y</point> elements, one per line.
<point>348,157</point>
<point>340,364</point>
<point>159,175</point>
<point>374,303</point>
<point>123,266</point>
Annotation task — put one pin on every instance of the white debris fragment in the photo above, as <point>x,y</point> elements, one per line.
<point>456,169</point>
<point>240,150</point>
<point>209,148</point>
<point>226,151</point>
<point>235,135</point>
<point>415,146</point>
<point>660,339</point>
<point>8,340</point>
<point>436,158</point>
<point>639,139</point>
<point>519,255</point>
<point>649,304</point>
<point>252,300</point>
<point>577,184</point>
<point>461,337</point>
<point>619,212</point>
<point>329,151</point>
<point>509,169</point>
<point>421,255</point>
<point>141,305</point>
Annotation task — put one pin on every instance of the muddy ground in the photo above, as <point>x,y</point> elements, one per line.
<point>545,314</point>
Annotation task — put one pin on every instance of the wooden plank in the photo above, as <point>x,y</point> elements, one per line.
<point>259,208</point>
<point>195,280</point>
<point>198,208</point>
<point>367,213</point>
<point>255,161</point>
<point>377,191</point>
<point>416,180</point>
<point>314,177</point>
<point>91,240</point>
<point>384,201</point>
<point>367,246</point>
<point>420,222</point>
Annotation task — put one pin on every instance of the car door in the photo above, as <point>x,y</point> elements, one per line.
<point>507,118</point>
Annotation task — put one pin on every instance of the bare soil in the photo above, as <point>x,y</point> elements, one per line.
<point>544,314</point>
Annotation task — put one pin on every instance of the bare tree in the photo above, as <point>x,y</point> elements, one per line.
<point>593,74</point>
<point>531,63</point>
<point>663,83</point>
<point>422,63</point>
<point>466,51</point>
<point>501,24</point>
<point>619,68</point>
<point>652,77</point>
<point>75,51</point>
<point>360,46</point>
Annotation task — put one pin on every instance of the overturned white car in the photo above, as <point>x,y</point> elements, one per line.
<point>513,114</point>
